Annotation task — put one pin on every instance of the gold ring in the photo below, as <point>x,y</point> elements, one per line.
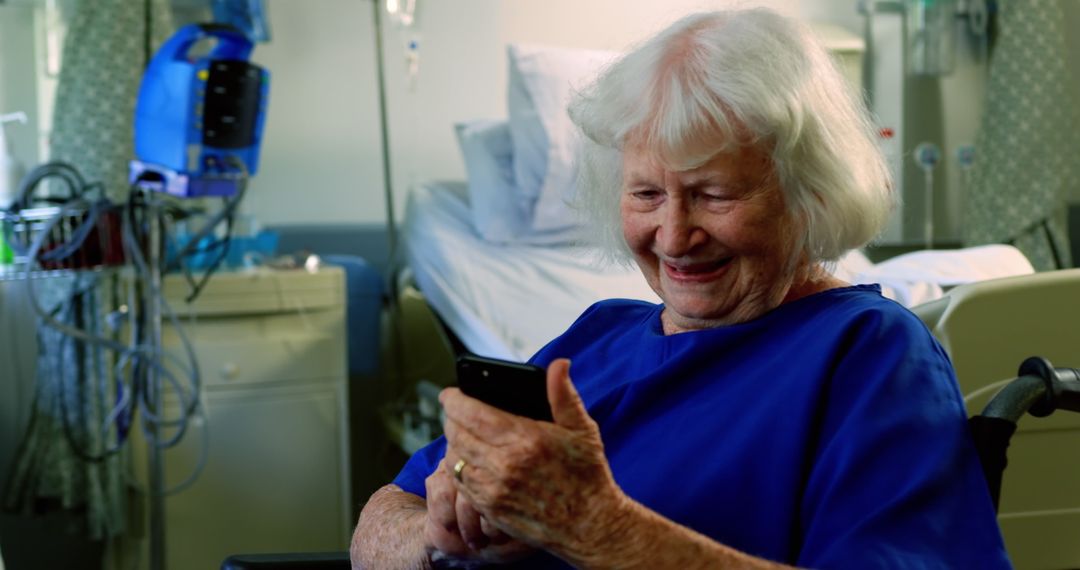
<point>458,468</point>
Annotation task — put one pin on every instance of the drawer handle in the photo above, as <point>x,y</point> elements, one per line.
<point>230,371</point>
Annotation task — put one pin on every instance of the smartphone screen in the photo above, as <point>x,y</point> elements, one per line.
<point>511,386</point>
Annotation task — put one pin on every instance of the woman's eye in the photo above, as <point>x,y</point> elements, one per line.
<point>716,197</point>
<point>647,194</point>
<point>721,193</point>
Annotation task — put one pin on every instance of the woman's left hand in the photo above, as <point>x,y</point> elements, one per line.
<point>547,484</point>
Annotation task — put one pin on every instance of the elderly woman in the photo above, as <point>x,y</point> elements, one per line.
<point>764,414</point>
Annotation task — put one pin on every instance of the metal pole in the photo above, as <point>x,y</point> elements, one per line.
<point>928,210</point>
<point>156,456</point>
<point>391,225</point>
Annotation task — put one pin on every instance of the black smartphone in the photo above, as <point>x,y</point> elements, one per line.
<point>511,386</point>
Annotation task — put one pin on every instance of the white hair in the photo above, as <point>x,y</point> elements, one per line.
<point>714,81</point>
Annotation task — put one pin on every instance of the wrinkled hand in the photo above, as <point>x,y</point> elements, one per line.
<point>454,529</point>
<point>546,484</point>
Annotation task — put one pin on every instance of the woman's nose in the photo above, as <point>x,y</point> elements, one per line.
<point>679,231</point>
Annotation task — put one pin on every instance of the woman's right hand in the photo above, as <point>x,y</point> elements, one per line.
<point>454,529</point>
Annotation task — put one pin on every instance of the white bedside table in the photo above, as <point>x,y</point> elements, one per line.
<point>271,346</point>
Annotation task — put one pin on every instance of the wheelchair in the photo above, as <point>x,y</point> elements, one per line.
<point>1039,390</point>
<point>986,328</point>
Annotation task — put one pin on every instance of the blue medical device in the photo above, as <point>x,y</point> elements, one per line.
<point>199,118</point>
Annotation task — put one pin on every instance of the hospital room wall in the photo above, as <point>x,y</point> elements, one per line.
<point>321,156</point>
<point>463,67</point>
<point>463,74</point>
<point>321,163</point>
<point>18,87</point>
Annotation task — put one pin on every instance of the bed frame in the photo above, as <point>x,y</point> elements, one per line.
<point>418,352</point>
<point>989,328</point>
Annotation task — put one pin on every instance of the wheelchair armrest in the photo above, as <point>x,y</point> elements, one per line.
<point>289,561</point>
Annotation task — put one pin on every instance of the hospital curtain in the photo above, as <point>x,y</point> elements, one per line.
<point>1028,144</point>
<point>59,465</point>
<point>55,469</point>
<point>103,57</point>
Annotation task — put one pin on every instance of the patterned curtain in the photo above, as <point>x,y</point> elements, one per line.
<point>1029,145</point>
<point>56,467</point>
<point>103,58</point>
<point>61,462</point>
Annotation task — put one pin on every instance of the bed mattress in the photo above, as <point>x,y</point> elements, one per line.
<point>502,301</point>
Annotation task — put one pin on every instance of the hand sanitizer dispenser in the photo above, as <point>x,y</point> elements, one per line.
<point>11,170</point>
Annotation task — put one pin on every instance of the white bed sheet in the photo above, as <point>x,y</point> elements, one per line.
<point>509,300</point>
<point>503,301</point>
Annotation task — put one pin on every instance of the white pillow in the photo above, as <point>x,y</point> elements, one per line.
<point>541,83</point>
<point>499,212</point>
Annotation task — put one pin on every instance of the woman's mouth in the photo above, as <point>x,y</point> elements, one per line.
<point>697,272</point>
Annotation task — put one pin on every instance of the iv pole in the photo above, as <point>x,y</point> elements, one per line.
<point>388,186</point>
<point>156,455</point>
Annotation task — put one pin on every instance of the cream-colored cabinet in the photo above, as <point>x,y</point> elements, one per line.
<point>271,347</point>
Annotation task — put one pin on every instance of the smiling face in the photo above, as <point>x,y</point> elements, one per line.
<point>716,243</point>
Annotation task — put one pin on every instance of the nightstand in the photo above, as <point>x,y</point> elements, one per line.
<point>271,346</point>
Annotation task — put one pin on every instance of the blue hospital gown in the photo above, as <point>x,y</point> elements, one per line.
<point>827,433</point>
